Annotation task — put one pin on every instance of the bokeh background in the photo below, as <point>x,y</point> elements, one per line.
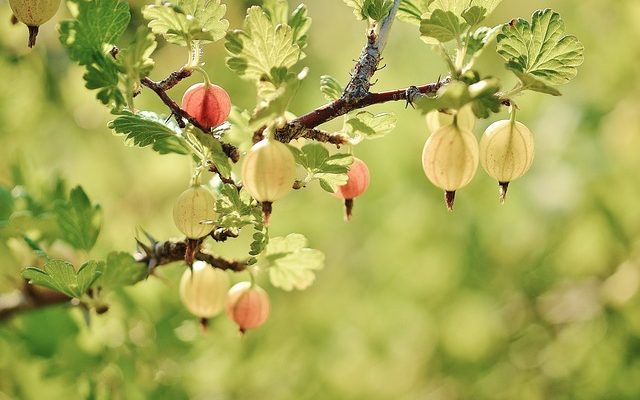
<point>536,299</point>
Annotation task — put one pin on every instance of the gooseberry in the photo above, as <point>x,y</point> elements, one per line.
<point>268,172</point>
<point>450,159</point>
<point>506,152</point>
<point>437,119</point>
<point>203,290</point>
<point>33,14</point>
<point>357,183</point>
<point>194,211</point>
<point>248,305</point>
<point>209,104</point>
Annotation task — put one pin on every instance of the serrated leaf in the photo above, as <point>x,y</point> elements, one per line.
<point>479,39</point>
<point>214,152</point>
<point>188,20</point>
<point>330,170</point>
<point>330,88</point>
<point>240,134</point>
<point>96,23</point>
<point>261,48</point>
<point>88,38</point>
<point>441,26</point>
<point>474,15</point>
<point>236,209</point>
<point>148,129</point>
<point>79,220</point>
<point>530,82</point>
<point>290,263</point>
<point>540,49</point>
<point>275,100</point>
<point>300,23</point>
<point>120,270</point>
<point>60,275</point>
<point>135,60</point>
<point>458,7</point>
<point>364,124</point>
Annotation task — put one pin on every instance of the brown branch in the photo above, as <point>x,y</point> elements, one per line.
<point>180,114</point>
<point>31,297</point>
<point>301,126</point>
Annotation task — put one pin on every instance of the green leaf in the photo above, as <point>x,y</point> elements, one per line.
<point>120,270</point>
<point>97,26</point>
<point>262,48</point>
<point>103,75</point>
<point>60,275</point>
<point>148,129</point>
<point>79,220</point>
<point>240,134</point>
<point>330,88</point>
<point>458,7</point>
<point>96,23</point>
<point>330,170</point>
<point>479,39</point>
<point>135,60</point>
<point>214,152</point>
<point>474,15</point>
<point>235,208</point>
<point>365,125</point>
<point>455,95</point>
<point>442,26</point>
<point>276,98</point>
<point>300,23</point>
<point>373,9</point>
<point>188,20</point>
<point>411,11</point>
<point>290,263</point>
<point>530,82</point>
<point>540,52</point>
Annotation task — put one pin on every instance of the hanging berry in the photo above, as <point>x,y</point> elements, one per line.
<point>33,14</point>
<point>450,159</point>
<point>209,104</point>
<point>193,209</point>
<point>203,290</point>
<point>466,119</point>
<point>248,305</point>
<point>506,152</point>
<point>268,173</point>
<point>357,183</point>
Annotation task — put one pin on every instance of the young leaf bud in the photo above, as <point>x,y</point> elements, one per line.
<point>193,209</point>
<point>268,172</point>
<point>33,14</point>
<point>450,159</point>
<point>209,104</point>
<point>506,152</point>
<point>248,306</point>
<point>357,183</point>
<point>203,290</point>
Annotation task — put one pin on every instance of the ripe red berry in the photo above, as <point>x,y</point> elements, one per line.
<point>209,104</point>
<point>357,183</point>
<point>248,305</point>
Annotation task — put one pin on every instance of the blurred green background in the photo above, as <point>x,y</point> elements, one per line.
<point>536,299</point>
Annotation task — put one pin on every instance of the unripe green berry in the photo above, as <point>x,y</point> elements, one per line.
<point>268,171</point>
<point>506,152</point>
<point>450,159</point>
<point>466,119</point>
<point>34,13</point>
<point>203,291</point>
<point>194,207</point>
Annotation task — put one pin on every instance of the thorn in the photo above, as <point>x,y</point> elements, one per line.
<point>168,118</point>
<point>143,248</point>
<point>373,83</point>
<point>503,191</point>
<point>381,68</point>
<point>348,209</point>
<point>148,235</point>
<point>449,198</point>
